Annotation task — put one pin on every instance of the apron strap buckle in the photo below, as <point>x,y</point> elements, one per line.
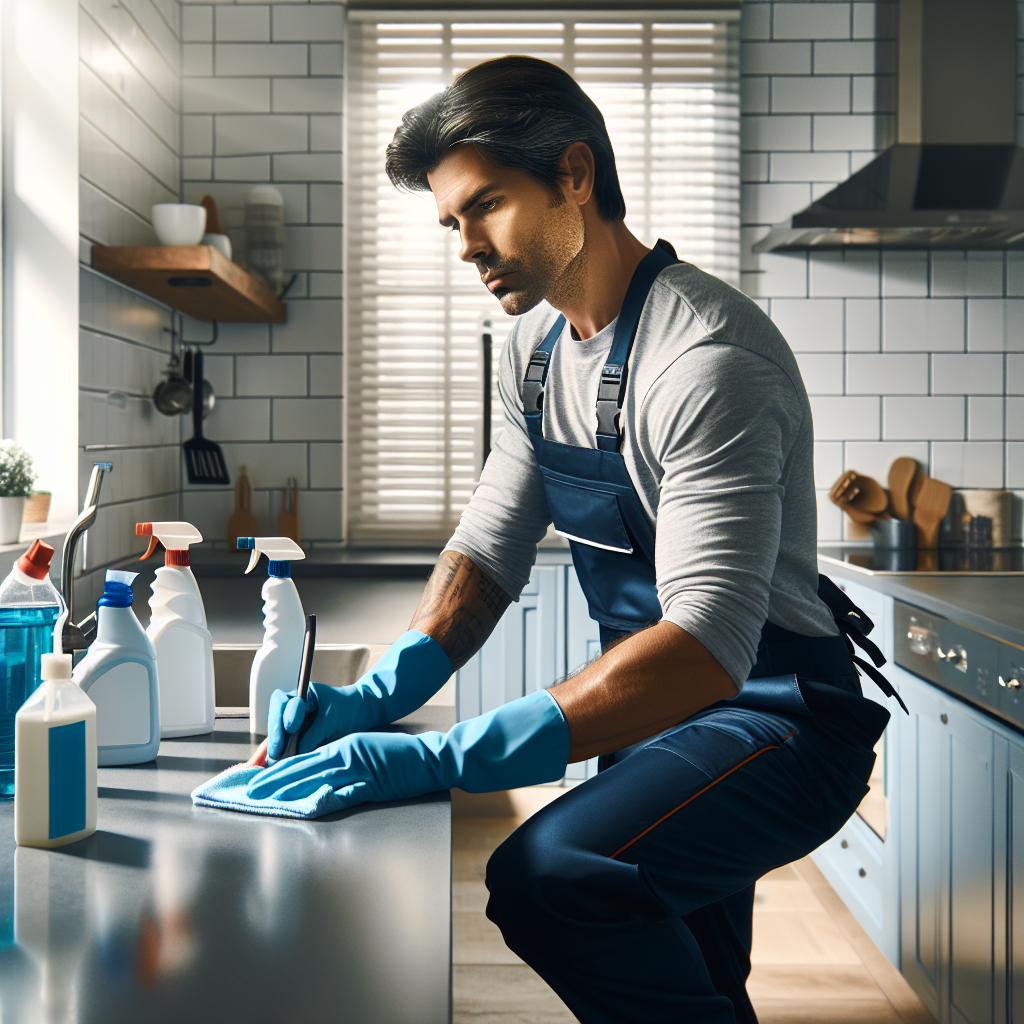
<point>609,405</point>
<point>537,375</point>
<point>533,383</point>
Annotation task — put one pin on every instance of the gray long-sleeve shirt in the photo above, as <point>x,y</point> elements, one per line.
<point>718,443</point>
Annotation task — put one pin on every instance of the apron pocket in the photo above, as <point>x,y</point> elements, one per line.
<point>587,516</point>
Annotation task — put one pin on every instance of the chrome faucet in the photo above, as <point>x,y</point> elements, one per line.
<point>74,637</point>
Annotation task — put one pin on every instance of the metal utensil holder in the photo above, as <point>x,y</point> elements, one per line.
<point>894,535</point>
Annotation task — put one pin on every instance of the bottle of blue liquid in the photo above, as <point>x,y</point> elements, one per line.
<point>29,607</point>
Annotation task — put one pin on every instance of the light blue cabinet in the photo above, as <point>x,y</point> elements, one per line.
<point>959,856</point>
<point>921,832</point>
<point>525,652</point>
<point>582,646</point>
<point>861,861</point>
<point>976,819</point>
<point>1015,882</point>
<point>542,638</point>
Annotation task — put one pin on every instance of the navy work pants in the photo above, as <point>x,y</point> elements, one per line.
<point>632,894</point>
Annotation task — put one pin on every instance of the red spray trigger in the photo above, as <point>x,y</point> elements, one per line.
<point>146,530</point>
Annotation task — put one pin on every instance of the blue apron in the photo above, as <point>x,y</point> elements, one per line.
<point>594,504</point>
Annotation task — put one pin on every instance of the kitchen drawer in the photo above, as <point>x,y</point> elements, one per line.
<point>853,862</point>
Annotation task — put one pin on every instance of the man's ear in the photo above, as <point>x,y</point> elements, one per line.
<point>577,167</point>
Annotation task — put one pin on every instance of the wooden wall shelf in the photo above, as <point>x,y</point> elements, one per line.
<point>195,279</point>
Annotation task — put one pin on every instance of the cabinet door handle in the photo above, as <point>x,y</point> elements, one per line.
<point>862,873</point>
<point>945,718</point>
<point>1010,684</point>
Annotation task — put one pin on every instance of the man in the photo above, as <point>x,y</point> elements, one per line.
<point>658,418</point>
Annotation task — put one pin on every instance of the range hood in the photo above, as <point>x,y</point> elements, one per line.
<point>954,179</point>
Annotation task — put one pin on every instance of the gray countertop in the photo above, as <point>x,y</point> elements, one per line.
<point>992,604</point>
<point>172,912</point>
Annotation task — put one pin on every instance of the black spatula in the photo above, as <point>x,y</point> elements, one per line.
<point>204,461</point>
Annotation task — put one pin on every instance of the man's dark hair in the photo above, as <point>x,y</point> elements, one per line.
<point>520,112</point>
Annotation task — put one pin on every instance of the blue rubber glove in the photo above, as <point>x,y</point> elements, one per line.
<point>521,743</point>
<point>412,670</point>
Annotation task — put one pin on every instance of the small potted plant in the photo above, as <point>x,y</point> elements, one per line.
<point>17,474</point>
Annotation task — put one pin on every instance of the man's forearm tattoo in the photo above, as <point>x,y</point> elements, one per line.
<point>491,595</point>
<point>460,607</point>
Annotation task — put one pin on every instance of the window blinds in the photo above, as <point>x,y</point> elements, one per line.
<point>667,83</point>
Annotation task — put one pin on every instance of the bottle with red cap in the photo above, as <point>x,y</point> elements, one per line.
<point>29,606</point>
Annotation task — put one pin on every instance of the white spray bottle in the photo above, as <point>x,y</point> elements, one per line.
<point>276,665</point>
<point>178,631</point>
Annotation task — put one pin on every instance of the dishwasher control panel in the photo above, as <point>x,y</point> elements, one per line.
<point>987,672</point>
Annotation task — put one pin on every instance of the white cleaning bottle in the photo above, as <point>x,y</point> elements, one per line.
<point>276,665</point>
<point>55,755</point>
<point>181,639</point>
<point>119,674</point>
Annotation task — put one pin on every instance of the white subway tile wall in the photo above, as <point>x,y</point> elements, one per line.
<point>902,353</point>
<point>129,159</point>
<point>261,103</point>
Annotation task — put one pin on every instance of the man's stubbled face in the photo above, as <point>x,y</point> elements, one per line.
<point>527,243</point>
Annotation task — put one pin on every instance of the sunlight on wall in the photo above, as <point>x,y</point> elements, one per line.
<point>40,249</point>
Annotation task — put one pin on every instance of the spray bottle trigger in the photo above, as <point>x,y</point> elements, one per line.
<point>253,559</point>
<point>153,541</point>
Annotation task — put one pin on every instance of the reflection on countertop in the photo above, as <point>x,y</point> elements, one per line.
<point>172,912</point>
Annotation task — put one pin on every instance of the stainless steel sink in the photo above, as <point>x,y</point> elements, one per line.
<point>336,664</point>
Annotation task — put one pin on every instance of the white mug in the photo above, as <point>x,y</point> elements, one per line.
<point>179,223</point>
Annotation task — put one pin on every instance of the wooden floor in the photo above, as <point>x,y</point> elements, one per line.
<point>812,962</point>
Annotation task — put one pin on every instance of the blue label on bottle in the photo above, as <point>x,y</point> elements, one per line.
<point>67,779</point>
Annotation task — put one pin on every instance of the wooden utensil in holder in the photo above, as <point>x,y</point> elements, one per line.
<point>863,499</point>
<point>242,522</point>
<point>930,499</point>
<point>854,490</point>
<point>288,522</point>
<point>902,474</point>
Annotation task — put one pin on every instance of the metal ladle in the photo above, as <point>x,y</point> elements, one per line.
<point>173,395</point>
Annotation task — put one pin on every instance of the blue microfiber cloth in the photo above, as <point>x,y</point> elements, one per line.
<point>228,791</point>
<point>519,744</point>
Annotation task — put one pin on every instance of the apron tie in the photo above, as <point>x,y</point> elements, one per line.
<point>854,624</point>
